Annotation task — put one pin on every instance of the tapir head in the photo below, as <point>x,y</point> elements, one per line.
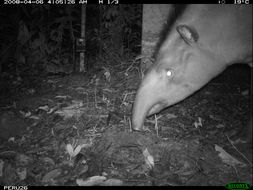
<point>183,65</point>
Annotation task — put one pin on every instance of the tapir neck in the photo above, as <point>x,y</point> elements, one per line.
<point>224,29</point>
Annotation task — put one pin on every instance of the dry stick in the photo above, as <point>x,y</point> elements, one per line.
<point>156,126</point>
<point>130,124</point>
<point>239,151</point>
<point>236,172</point>
<point>125,96</point>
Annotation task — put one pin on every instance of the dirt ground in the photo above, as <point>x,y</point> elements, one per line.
<point>77,131</point>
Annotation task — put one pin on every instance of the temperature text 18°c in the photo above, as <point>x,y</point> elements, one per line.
<point>241,2</point>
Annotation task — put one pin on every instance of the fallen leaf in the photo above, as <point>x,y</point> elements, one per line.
<point>51,175</point>
<point>44,108</point>
<point>22,173</point>
<point>198,123</point>
<point>71,151</point>
<point>112,182</point>
<point>23,160</point>
<point>171,116</point>
<point>149,160</point>
<point>245,92</point>
<point>227,158</point>
<point>91,181</point>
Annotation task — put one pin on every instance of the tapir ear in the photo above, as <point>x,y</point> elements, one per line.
<point>189,34</point>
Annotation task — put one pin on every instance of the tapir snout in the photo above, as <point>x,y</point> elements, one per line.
<point>201,44</point>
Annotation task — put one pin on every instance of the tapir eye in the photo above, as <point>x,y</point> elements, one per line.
<point>169,73</point>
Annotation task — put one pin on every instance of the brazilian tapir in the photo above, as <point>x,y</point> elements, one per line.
<point>202,42</point>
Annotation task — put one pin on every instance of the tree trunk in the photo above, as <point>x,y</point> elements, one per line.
<point>82,67</point>
<point>154,18</point>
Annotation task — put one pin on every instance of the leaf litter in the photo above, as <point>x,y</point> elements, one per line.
<point>80,134</point>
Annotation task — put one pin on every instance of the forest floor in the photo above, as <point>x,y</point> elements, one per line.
<point>76,130</point>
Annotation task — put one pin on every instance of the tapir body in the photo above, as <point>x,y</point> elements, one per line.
<point>201,44</point>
